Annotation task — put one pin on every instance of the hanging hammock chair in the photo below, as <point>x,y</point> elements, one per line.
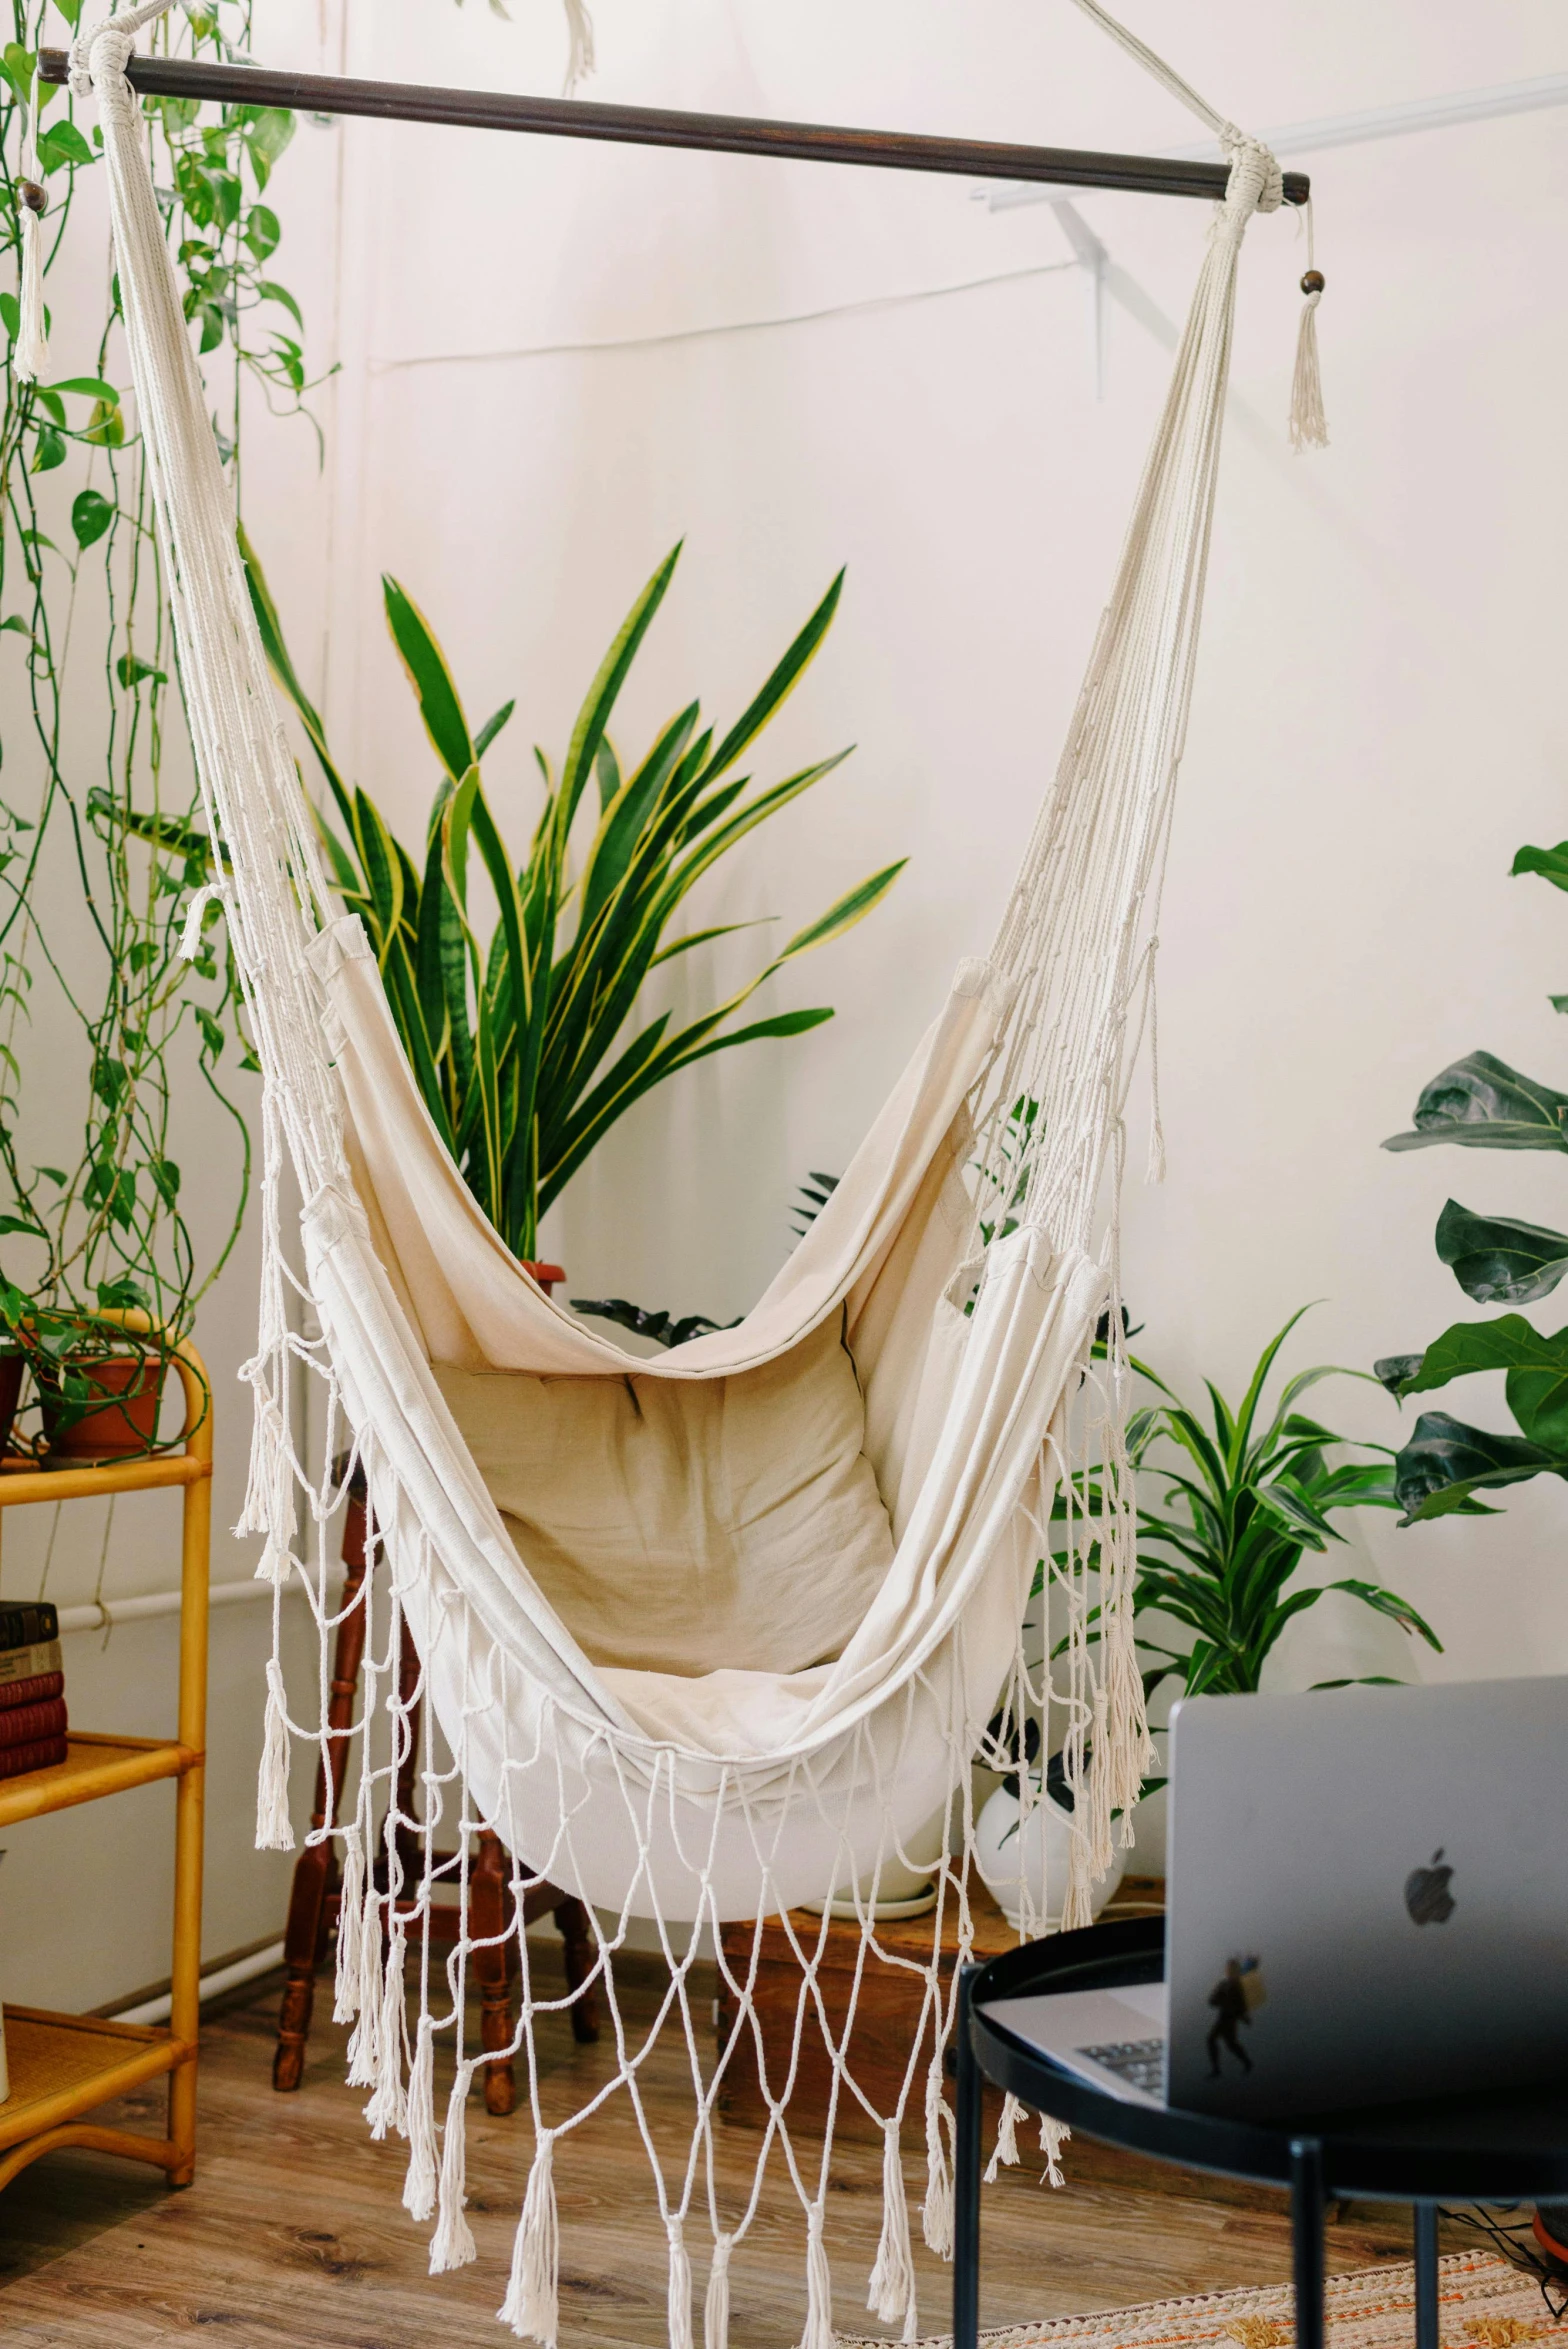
<point>709,1635</point>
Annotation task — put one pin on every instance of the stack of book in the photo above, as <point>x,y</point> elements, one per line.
<point>32,1689</point>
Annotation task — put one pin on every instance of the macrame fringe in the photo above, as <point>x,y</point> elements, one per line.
<point>532,2303</point>
<point>936,2212</point>
<point>419,2187</point>
<point>892,2286</point>
<point>1006,2155</point>
<point>679,2298</point>
<point>364,2045</point>
<point>452,2244</point>
<point>819,2332</point>
<point>388,2106</point>
<point>1053,2136</point>
<point>195,919</point>
<point>716,2307</point>
<point>351,1925</point>
<point>274,1831</point>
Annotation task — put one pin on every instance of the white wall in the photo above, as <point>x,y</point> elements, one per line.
<point>1377,724</point>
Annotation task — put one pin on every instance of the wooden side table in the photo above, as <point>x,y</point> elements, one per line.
<point>62,2066</point>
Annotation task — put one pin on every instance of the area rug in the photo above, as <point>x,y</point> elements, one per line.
<point>1483,2303</point>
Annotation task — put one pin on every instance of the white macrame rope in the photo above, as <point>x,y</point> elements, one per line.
<point>519,1738</point>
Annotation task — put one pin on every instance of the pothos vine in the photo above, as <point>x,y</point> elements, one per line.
<point>100,845</point>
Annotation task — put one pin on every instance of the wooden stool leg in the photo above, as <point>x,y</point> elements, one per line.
<point>315,1871</point>
<point>490,1915</point>
<point>577,1944</point>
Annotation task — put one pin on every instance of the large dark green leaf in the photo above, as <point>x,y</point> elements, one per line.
<point>1550,863</point>
<point>1536,1366</point>
<point>1446,1463</point>
<point>1483,1103</point>
<point>1496,1259</point>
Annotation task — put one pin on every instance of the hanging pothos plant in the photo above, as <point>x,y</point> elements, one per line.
<point>98,844</point>
<point>529,1043</point>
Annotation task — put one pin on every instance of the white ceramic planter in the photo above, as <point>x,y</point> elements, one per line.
<point>1014,1854</point>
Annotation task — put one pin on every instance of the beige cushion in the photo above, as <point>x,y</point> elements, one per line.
<point>673,1525</point>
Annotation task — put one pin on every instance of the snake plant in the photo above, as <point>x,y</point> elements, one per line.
<point>528,1043</point>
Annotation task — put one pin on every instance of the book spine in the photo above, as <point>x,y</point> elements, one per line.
<point>20,1627</point>
<point>17,1760</point>
<point>19,1696</point>
<point>26,1724</point>
<point>27,1663</point>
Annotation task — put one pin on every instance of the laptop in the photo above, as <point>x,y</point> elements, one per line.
<point>1365,1903</point>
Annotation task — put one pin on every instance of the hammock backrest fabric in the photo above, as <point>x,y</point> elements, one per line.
<point>773,1689</point>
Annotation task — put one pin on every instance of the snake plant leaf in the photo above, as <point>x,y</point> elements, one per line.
<point>491,728</point>
<point>1550,863</point>
<point>383,871</point>
<point>1484,1104</point>
<point>849,909</point>
<point>1446,1463</point>
<point>1498,1260</point>
<point>271,632</point>
<point>594,716</point>
<point>705,937</point>
<point>781,683</point>
<point>427,671</point>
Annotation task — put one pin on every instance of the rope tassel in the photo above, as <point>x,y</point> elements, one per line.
<point>532,2303</point>
<point>274,1831</point>
<point>716,2308</point>
<point>936,2215</point>
<point>892,2287</point>
<point>351,1924</point>
<point>1007,2155</point>
<point>388,2107</point>
<point>452,2244</point>
<point>419,2187</point>
<point>819,2332</point>
<point>1053,2136</point>
<point>1308,423</point>
<point>679,2301</point>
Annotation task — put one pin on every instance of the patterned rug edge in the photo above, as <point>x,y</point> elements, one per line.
<point>1258,2317</point>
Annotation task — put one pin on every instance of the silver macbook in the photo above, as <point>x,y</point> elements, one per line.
<point>1365,1904</point>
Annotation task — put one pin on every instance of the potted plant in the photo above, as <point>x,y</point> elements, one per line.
<point>527,1044</point>
<point>96,867</point>
<point>1480,1103</point>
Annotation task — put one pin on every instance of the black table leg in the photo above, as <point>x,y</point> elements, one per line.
<point>1306,2220</point>
<point>1426,2275</point>
<point>966,2181</point>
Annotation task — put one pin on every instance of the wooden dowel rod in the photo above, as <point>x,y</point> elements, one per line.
<point>655,126</point>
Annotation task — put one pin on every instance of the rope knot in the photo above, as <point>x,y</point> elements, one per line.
<point>1256,182</point>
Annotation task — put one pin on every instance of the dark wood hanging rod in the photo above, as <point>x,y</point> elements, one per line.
<point>657,126</point>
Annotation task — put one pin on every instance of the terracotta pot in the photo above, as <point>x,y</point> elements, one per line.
<point>545,1274</point>
<point>123,1426</point>
<point>11,1368</point>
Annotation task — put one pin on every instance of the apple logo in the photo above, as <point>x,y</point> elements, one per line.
<point>1427,1896</point>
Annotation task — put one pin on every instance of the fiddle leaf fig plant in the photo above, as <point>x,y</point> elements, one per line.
<point>1480,1103</point>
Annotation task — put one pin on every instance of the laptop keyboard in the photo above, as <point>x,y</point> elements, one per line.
<point>1140,2062</point>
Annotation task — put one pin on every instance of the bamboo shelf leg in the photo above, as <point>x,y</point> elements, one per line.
<point>190,1797</point>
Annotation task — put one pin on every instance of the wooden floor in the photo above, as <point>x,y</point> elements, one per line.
<point>293,2236</point>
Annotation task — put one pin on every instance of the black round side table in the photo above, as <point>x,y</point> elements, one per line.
<point>1511,2146</point>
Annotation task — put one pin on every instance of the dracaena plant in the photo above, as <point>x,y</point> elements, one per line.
<point>528,1043</point>
<point>1232,1496</point>
<point>1480,1103</point>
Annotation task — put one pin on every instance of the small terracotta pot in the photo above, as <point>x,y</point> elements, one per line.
<point>123,1426</point>
<point>11,1368</point>
<point>545,1274</point>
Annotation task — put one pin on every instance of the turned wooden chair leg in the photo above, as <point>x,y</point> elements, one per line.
<point>491,1919</point>
<point>316,1869</point>
<point>577,1945</point>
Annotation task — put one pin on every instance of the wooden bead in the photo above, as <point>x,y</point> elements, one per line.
<point>32,195</point>
<point>1312,283</point>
